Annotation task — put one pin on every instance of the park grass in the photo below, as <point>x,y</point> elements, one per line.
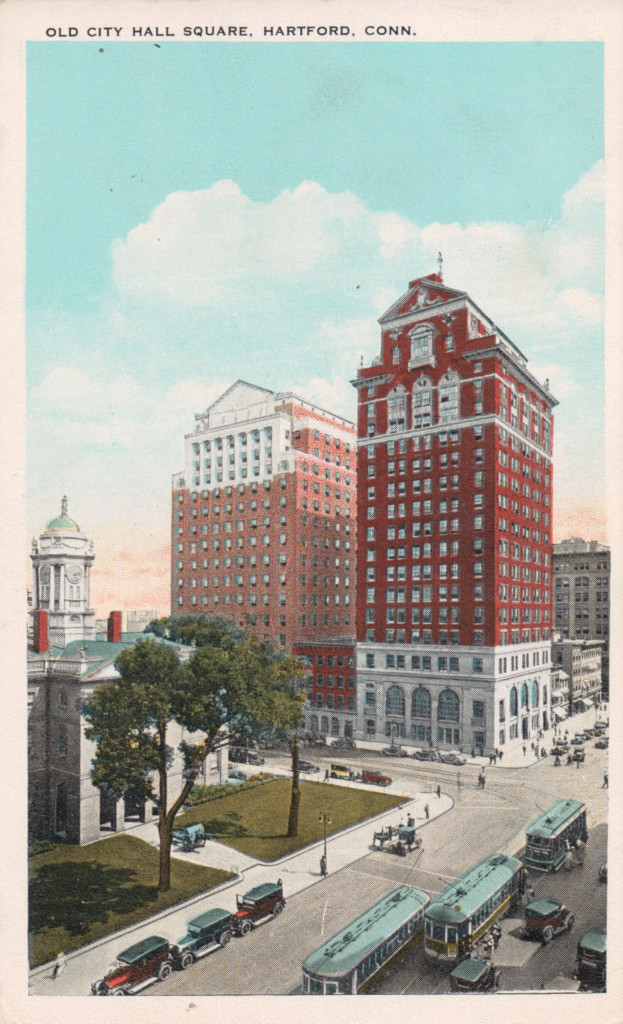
<point>81,893</point>
<point>255,821</point>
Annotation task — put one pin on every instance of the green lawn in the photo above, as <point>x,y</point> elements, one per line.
<point>255,821</point>
<point>79,893</point>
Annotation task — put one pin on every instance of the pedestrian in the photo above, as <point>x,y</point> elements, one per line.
<point>323,866</point>
<point>439,791</point>
<point>427,811</point>
<point>326,775</point>
<point>473,752</point>
<point>59,965</point>
<point>500,752</point>
<point>577,763</point>
<point>524,749</point>
<point>543,752</point>
<point>569,759</point>
<point>604,784</point>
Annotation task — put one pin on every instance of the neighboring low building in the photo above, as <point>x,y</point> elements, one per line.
<point>581,661</point>
<point>582,594</point>
<point>561,694</point>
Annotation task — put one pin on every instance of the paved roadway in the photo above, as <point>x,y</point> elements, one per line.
<point>268,961</point>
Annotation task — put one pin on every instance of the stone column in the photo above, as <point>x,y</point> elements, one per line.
<point>61,587</point>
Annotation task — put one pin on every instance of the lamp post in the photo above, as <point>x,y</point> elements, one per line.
<point>325,818</point>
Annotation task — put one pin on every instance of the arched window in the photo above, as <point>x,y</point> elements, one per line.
<point>422,403</point>
<point>313,723</point>
<point>512,700</point>
<point>395,701</point>
<point>422,345</point>
<point>396,409</point>
<point>524,695</point>
<point>420,703</point>
<point>324,724</point>
<point>395,355</point>
<point>545,696</point>
<point>449,397</point>
<point>534,694</point>
<point>448,706</point>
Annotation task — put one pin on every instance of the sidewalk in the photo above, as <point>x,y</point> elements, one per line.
<point>298,871</point>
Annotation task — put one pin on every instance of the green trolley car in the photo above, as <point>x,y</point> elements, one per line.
<point>549,838</point>
<point>457,918</point>
<point>346,963</point>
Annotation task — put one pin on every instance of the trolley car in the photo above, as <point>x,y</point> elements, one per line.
<point>346,963</point>
<point>462,913</point>
<point>550,836</point>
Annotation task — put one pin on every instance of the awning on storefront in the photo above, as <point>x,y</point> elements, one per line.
<point>559,712</point>
<point>586,701</point>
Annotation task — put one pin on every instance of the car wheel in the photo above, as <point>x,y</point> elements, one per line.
<point>245,927</point>
<point>497,979</point>
<point>333,775</point>
<point>278,908</point>
<point>570,921</point>
<point>118,992</point>
<point>201,842</point>
<point>186,960</point>
<point>164,971</point>
<point>548,934</point>
<point>224,939</point>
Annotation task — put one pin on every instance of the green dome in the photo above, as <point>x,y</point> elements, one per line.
<point>62,522</point>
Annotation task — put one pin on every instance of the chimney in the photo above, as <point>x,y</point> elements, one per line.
<point>114,627</point>
<point>41,642</point>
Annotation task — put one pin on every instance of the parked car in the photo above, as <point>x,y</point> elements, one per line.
<point>257,905</point>
<point>590,964</point>
<point>136,967</point>
<point>340,771</point>
<point>579,754</point>
<point>547,917</point>
<point>559,749</point>
<point>452,757</point>
<point>426,755</point>
<point>204,933</point>
<point>600,727</point>
<point>242,756</point>
<point>602,743</point>
<point>578,738</point>
<point>375,777</point>
<point>236,775</point>
<point>307,766</point>
<point>474,975</point>
<point>395,751</point>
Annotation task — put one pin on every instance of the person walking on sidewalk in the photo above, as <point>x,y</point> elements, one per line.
<point>323,866</point>
<point>326,775</point>
<point>438,791</point>
<point>427,811</point>
<point>59,965</point>
<point>604,784</point>
<point>524,749</point>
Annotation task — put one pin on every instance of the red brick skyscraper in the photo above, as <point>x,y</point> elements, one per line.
<point>454,529</point>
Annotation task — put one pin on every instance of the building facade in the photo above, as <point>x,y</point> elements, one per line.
<point>454,601</point>
<point>263,518</point>
<point>582,595</point>
<point>581,661</point>
<point>331,686</point>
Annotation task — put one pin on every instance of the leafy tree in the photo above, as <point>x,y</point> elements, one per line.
<point>130,720</point>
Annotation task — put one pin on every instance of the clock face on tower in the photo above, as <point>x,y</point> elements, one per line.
<point>74,573</point>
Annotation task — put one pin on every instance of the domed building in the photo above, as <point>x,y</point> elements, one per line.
<point>62,557</point>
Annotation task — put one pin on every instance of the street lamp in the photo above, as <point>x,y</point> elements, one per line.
<point>325,818</point>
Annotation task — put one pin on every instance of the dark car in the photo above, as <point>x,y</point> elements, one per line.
<point>602,743</point>
<point>242,756</point>
<point>590,964</point>
<point>204,933</point>
<point>426,755</point>
<point>137,967</point>
<point>474,975</point>
<point>258,905</point>
<point>236,775</point>
<point>559,749</point>
<point>547,917</point>
<point>395,751</point>
<point>578,738</point>
<point>307,766</point>
<point>579,754</point>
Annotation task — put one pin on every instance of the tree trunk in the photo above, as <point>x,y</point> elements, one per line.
<point>165,823</point>
<point>295,797</point>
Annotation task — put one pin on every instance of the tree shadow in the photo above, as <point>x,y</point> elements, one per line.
<point>76,896</point>
<point>226,825</point>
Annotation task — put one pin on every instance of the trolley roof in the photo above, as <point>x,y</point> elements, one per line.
<point>552,821</point>
<point>471,890</point>
<point>345,950</point>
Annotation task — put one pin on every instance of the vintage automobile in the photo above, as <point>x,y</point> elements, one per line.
<point>374,777</point>
<point>453,757</point>
<point>547,917</point>
<point>590,964</point>
<point>242,756</point>
<point>579,754</point>
<point>602,743</point>
<point>600,727</point>
<point>559,749</point>
<point>395,751</point>
<point>236,775</point>
<point>577,739</point>
<point>258,905</point>
<point>191,837</point>
<point>204,933</point>
<point>474,975</point>
<point>307,766</point>
<point>426,755</point>
<point>136,967</point>
<point>588,731</point>
<point>340,771</point>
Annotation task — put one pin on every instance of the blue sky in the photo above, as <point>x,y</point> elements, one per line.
<point>200,212</point>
